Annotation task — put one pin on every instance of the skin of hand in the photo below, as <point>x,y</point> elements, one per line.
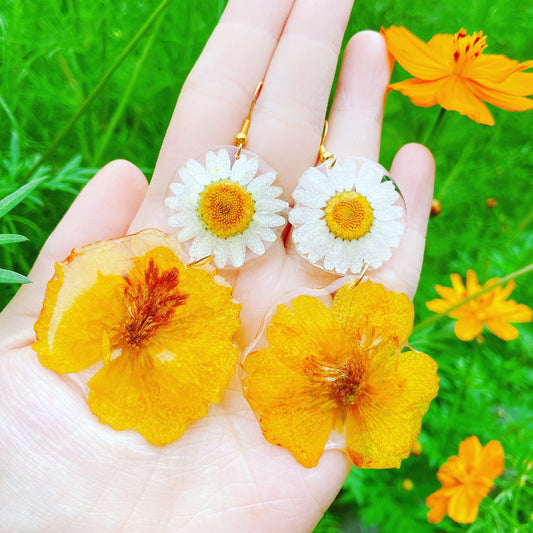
<point>60,469</point>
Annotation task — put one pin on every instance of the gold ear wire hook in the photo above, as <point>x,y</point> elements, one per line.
<point>359,278</point>
<point>242,137</point>
<point>323,154</point>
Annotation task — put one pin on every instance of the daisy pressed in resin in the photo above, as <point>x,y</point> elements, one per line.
<point>227,210</point>
<point>347,216</point>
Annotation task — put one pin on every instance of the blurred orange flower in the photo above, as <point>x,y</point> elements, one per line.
<point>451,70</point>
<point>342,368</point>
<point>466,479</point>
<point>163,331</point>
<point>491,309</point>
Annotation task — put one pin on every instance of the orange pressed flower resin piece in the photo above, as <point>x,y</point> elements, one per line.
<point>466,479</point>
<point>163,331</point>
<point>342,368</point>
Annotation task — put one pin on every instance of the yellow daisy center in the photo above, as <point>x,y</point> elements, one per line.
<point>349,215</point>
<point>467,48</point>
<point>226,208</point>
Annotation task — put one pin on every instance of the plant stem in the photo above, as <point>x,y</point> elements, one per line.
<point>428,321</point>
<point>96,91</point>
<point>433,130</point>
<point>464,388</point>
<point>121,106</point>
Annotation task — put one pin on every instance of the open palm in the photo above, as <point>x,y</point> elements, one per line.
<point>61,470</point>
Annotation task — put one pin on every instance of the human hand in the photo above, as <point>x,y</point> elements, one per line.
<point>64,471</point>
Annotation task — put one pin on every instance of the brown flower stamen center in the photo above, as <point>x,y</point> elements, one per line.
<point>226,208</point>
<point>151,297</point>
<point>349,215</point>
<point>347,385</point>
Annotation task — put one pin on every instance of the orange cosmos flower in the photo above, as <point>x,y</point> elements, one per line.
<point>342,368</point>
<point>163,331</point>
<point>451,70</point>
<point>466,479</point>
<point>491,309</point>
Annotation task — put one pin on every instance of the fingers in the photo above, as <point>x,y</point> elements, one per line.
<point>288,117</point>
<point>290,112</point>
<point>216,96</point>
<point>413,169</point>
<point>104,209</point>
<point>357,110</point>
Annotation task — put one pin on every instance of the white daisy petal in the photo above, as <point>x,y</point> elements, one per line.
<point>309,198</point>
<point>188,232</point>
<point>237,249</point>
<point>254,242</point>
<point>262,182</point>
<point>301,215</point>
<point>271,206</point>
<point>238,170</point>
<point>173,202</point>
<point>194,174</point>
<point>314,180</point>
<point>221,252</point>
<point>266,234</point>
<point>271,192</point>
<point>250,171</point>
<point>224,164</point>
<point>177,188</point>
<point>202,246</point>
<point>179,220</point>
<point>268,220</point>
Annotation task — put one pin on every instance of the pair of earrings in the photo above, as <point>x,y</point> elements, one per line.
<point>347,217</point>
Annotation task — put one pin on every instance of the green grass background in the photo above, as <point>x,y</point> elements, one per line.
<point>54,53</point>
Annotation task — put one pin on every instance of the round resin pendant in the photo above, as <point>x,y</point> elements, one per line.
<point>347,217</point>
<point>228,208</point>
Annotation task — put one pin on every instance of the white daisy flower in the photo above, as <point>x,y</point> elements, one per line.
<point>225,209</point>
<point>345,217</point>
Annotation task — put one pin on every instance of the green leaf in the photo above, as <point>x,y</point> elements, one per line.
<point>7,276</point>
<point>9,202</point>
<point>11,237</point>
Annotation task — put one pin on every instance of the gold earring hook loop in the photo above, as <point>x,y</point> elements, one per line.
<point>242,137</point>
<point>323,154</point>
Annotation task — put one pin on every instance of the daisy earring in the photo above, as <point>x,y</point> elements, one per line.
<point>227,204</point>
<point>348,215</point>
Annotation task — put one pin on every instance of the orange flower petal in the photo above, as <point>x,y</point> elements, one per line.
<point>470,450</point>
<point>493,68</point>
<point>454,95</point>
<point>502,329</point>
<point>491,461</point>
<point>421,92</point>
<point>464,503</point>
<point>509,102</point>
<point>519,83</point>
<point>159,401</point>
<point>472,283</point>
<point>414,55</point>
<point>69,338</point>
<point>381,428</point>
<point>468,327</point>
<point>290,409</point>
<point>392,313</point>
<point>458,285</point>
<point>438,504</point>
